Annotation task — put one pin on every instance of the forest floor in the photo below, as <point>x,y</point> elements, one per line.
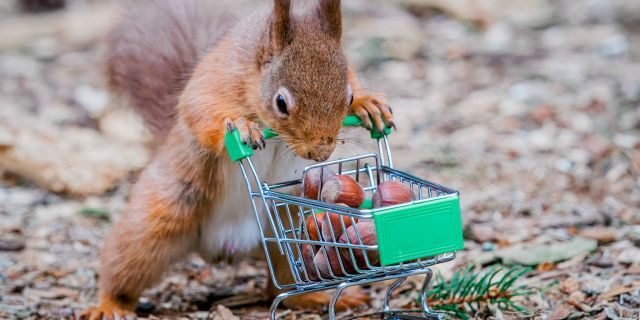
<point>530,108</point>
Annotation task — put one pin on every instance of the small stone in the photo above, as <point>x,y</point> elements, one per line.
<point>145,307</point>
<point>488,246</point>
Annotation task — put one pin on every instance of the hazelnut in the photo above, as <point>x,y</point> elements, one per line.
<point>391,193</point>
<point>343,189</point>
<point>312,181</point>
<point>313,228</point>
<point>367,232</point>
<point>332,264</point>
<point>336,225</point>
<point>308,254</point>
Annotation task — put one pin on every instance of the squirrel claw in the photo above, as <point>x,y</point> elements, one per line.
<point>104,313</point>
<point>250,132</point>
<point>371,108</point>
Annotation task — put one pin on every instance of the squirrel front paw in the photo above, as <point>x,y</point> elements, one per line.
<point>250,132</point>
<point>369,108</point>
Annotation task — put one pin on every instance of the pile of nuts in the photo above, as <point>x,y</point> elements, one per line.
<point>327,186</point>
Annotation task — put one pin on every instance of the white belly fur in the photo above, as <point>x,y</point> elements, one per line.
<point>232,228</point>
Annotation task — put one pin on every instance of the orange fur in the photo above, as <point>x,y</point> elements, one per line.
<point>236,75</point>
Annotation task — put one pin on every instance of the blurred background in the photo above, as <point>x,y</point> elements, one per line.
<point>529,107</point>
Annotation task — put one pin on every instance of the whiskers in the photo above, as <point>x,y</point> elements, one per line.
<point>362,140</point>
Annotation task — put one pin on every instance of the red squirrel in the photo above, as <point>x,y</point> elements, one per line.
<point>194,72</point>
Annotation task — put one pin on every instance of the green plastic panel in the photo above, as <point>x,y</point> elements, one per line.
<point>235,147</point>
<point>418,231</point>
<point>354,121</point>
<point>366,204</point>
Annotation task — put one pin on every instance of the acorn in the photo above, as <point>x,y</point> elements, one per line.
<point>390,193</point>
<point>343,189</point>
<point>367,232</point>
<point>312,181</point>
<point>336,225</point>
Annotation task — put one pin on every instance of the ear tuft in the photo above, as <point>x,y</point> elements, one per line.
<point>331,16</point>
<point>281,29</point>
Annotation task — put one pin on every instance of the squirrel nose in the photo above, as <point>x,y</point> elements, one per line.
<point>320,151</point>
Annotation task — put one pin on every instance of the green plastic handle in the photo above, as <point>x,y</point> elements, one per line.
<point>238,150</point>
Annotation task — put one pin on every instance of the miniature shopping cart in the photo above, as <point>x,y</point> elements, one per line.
<point>411,237</point>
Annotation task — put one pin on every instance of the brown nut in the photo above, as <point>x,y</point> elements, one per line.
<point>391,193</point>
<point>332,264</point>
<point>314,229</point>
<point>336,225</point>
<point>367,231</point>
<point>312,181</point>
<point>343,189</point>
<point>308,254</point>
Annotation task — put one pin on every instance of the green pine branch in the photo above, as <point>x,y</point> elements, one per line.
<point>470,291</point>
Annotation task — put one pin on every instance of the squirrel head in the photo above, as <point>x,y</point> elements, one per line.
<point>305,89</point>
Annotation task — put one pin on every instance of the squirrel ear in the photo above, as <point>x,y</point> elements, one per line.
<point>330,14</point>
<point>281,29</point>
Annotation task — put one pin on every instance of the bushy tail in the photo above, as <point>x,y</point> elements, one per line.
<point>153,50</point>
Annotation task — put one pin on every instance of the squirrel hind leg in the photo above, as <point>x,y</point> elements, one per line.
<point>136,254</point>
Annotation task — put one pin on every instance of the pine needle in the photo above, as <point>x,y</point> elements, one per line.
<point>470,291</point>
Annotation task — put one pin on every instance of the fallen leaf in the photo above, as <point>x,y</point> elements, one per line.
<point>569,285</point>
<point>553,252</point>
<point>483,233</point>
<point>53,293</point>
<point>629,255</point>
<point>223,313</point>
<point>602,234</point>
<point>634,269</point>
<point>614,292</point>
<point>545,266</point>
<point>96,213</point>
<point>560,312</point>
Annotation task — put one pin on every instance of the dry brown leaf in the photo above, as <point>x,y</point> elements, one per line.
<point>602,234</point>
<point>615,291</point>
<point>545,267</point>
<point>569,285</point>
<point>634,269</point>
<point>223,313</point>
<point>560,312</point>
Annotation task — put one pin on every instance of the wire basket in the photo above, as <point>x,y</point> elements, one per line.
<point>411,236</point>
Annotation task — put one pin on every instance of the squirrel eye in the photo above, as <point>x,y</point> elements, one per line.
<point>282,104</point>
